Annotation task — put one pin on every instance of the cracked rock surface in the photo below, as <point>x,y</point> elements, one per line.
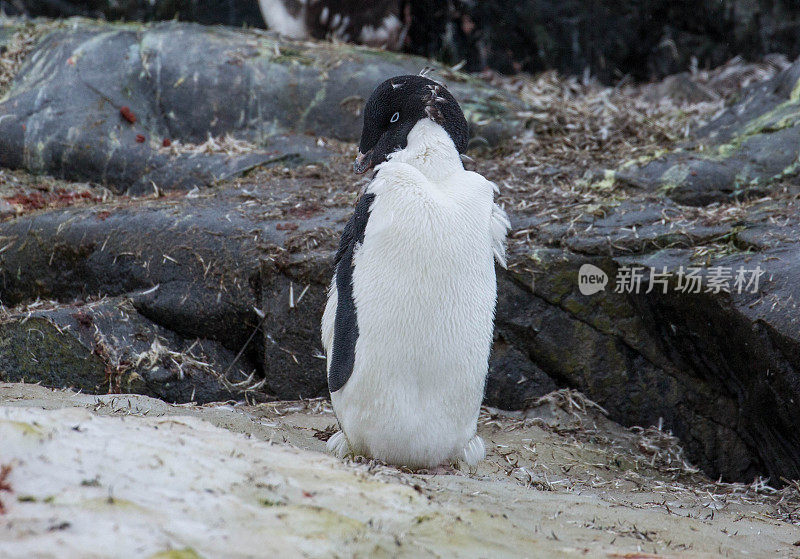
<point>105,103</point>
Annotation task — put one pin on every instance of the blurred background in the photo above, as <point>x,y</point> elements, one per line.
<point>611,40</point>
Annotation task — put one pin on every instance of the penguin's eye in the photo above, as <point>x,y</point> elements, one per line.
<point>395,117</point>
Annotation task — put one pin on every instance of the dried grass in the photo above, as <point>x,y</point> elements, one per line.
<point>21,43</point>
<point>578,130</point>
<point>227,145</point>
<point>569,400</point>
<point>188,362</point>
<point>602,455</point>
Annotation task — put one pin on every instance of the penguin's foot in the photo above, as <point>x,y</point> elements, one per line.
<point>474,452</point>
<point>338,445</point>
<point>440,470</point>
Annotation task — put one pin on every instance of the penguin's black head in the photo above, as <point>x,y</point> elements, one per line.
<point>395,107</point>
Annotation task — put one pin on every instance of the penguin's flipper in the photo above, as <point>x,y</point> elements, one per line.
<point>338,445</point>
<point>499,227</point>
<point>329,319</point>
<point>345,326</point>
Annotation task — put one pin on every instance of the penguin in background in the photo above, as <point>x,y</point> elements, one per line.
<point>408,325</point>
<point>375,23</point>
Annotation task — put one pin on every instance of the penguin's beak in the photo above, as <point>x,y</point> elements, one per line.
<point>363,162</point>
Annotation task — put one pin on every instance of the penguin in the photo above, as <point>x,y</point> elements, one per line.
<point>376,24</point>
<point>407,328</point>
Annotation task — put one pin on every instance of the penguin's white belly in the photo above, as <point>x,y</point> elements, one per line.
<point>424,288</point>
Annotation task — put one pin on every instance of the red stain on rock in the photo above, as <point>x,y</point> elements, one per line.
<point>166,143</point>
<point>140,138</point>
<point>286,226</point>
<point>59,198</point>
<point>5,469</point>
<point>83,319</point>
<point>304,211</point>
<point>127,114</point>
<point>28,202</point>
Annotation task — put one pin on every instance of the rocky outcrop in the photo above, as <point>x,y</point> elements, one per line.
<point>207,268</point>
<point>109,347</point>
<point>126,94</point>
<point>191,265</point>
<point>244,268</point>
<point>738,155</point>
<point>609,39</point>
<point>211,267</point>
<point>705,365</point>
<point>225,12</point>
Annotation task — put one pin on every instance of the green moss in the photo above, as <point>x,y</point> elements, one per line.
<point>644,159</point>
<point>724,151</point>
<point>289,55</point>
<point>185,553</point>
<point>319,97</point>
<point>36,351</point>
<point>575,306</point>
<point>271,503</point>
<point>607,182</point>
<point>789,171</point>
<point>22,427</point>
<point>674,177</point>
<point>795,95</point>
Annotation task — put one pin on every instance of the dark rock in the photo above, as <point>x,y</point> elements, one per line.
<point>6,210</point>
<point>646,40</point>
<point>705,365</point>
<point>191,265</point>
<point>293,297</point>
<point>514,381</point>
<point>745,347</point>
<point>639,226</point>
<point>207,12</point>
<point>738,155</point>
<point>10,8</point>
<point>87,95</point>
<point>108,347</point>
<point>680,88</point>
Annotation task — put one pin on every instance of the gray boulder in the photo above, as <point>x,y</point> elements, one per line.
<point>705,366</point>
<point>738,155</point>
<point>97,102</point>
<point>108,347</point>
